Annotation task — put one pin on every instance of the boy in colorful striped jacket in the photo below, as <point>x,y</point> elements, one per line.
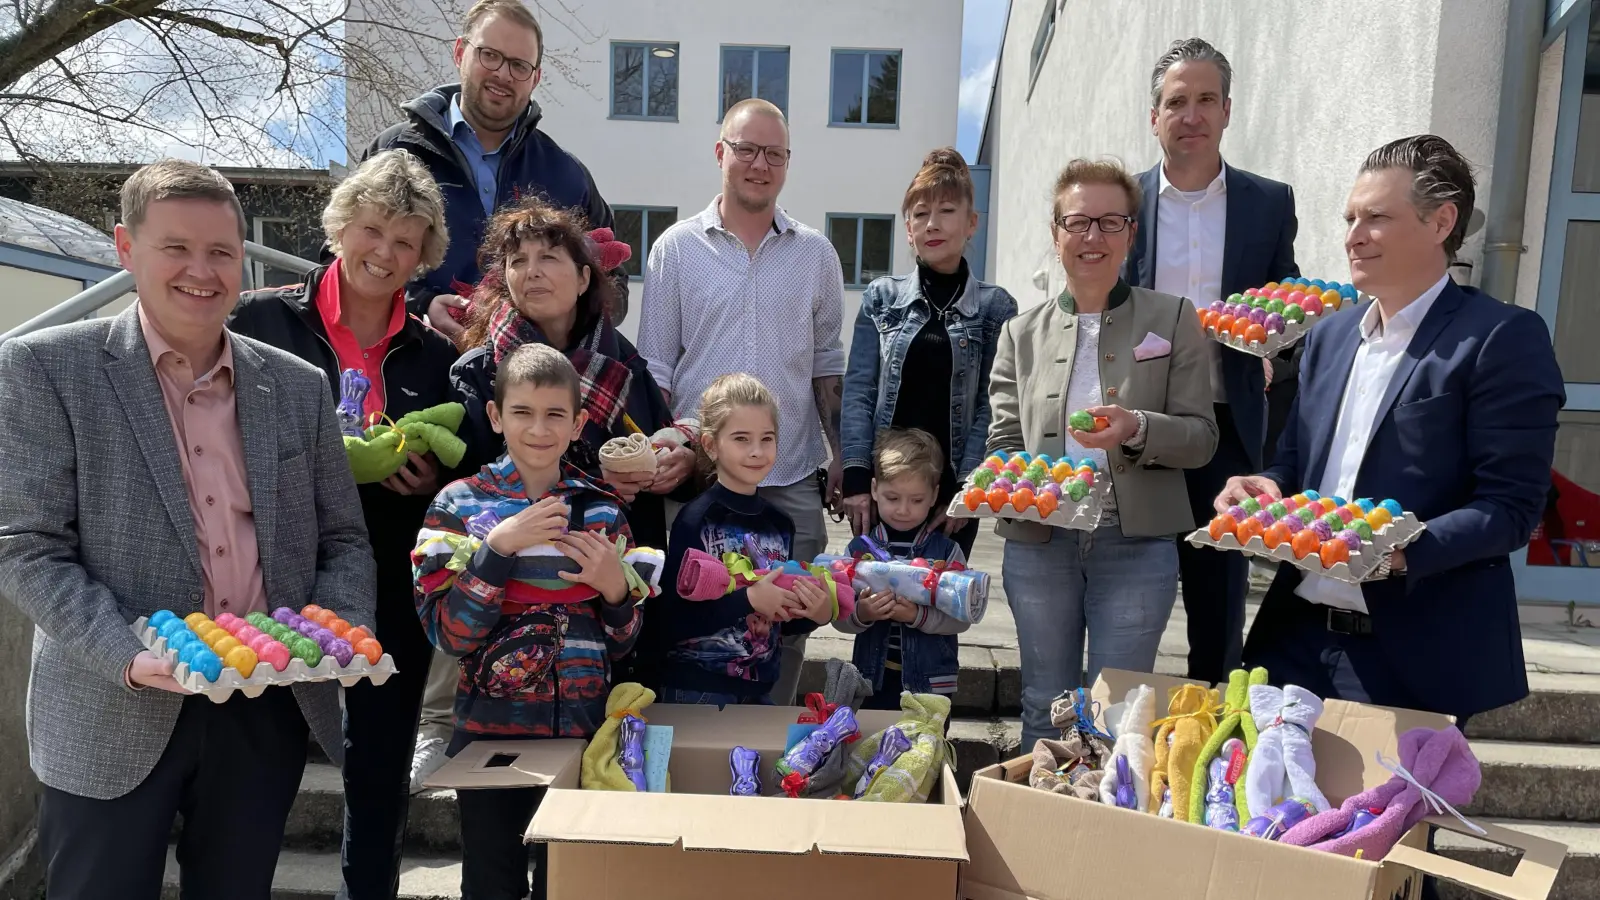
<point>519,572</point>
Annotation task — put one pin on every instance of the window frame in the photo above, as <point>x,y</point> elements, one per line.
<point>258,269</point>
<point>866,85</point>
<point>755,72</point>
<point>1043,37</point>
<point>644,227</point>
<point>649,48</point>
<point>852,279</point>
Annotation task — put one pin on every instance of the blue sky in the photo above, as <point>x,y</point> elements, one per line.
<point>984,22</point>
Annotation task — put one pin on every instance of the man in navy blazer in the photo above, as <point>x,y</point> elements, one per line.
<point>1208,230</point>
<point>1444,399</point>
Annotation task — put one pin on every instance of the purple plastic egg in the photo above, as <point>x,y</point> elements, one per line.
<point>1217,306</point>
<point>1273,323</point>
<point>325,640</point>
<point>1257,316</point>
<point>1238,513</point>
<point>1003,484</point>
<point>1293,522</point>
<point>1323,530</point>
<point>285,615</point>
<point>340,650</point>
<point>1234,309</point>
<point>1351,540</point>
<point>1052,489</point>
<point>1025,483</point>
<point>306,627</point>
<point>1265,518</point>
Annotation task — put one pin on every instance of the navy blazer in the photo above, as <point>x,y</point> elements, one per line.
<point>1465,439</point>
<point>1257,247</point>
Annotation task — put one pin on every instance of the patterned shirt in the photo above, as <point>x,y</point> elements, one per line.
<point>711,307</point>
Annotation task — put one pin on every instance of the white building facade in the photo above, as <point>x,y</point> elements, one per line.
<point>869,87</point>
<point>1317,85</point>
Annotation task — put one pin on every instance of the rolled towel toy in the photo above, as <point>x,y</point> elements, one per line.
<point>628,455</point>
<point>1133,754</point>
<point>961,593</point>
<point>1283,765</point>
<point>702,576</point>
<point>1237,723</point>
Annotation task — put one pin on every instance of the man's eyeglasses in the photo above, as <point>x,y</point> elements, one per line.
<point>493,59</point>
<point>1109,224</point>
<point>744,151</point>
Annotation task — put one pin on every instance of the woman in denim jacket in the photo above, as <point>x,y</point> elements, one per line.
<point>933,332</point>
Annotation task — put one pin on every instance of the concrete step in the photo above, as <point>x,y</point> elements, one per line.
<point>1580,874</point>
<point>1552,782</point>
<point>317,818</point>
<point>305,875</point>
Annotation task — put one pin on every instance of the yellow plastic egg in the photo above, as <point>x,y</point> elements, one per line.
<point>1061,471</point>
<point>195,619</point>
<point>225,645</point>
<point>241,658</point>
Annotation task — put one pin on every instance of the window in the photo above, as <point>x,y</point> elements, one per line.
<point>640,227</point>
<point>866,88</point>
<point>865,245</point>
<point>279,234</point>
<point>755,72</point>
<point>644,81</point>
<point>1041,43</point>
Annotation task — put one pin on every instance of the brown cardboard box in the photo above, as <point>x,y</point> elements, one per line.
<point>506,764</point>
<point>700,842</point>
<point>1027,844</point>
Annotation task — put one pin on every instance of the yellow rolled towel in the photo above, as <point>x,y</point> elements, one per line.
<point>601,771</point>
<point>1192,717</point>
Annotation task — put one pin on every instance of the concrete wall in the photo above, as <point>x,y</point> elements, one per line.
<point>652,163</point>
<point>1317,85</point>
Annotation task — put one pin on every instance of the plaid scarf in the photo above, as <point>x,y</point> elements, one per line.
<point>603,381</point>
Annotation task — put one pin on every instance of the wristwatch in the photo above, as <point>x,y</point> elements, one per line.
<point>1136,442</point>
<point>1386,568</point>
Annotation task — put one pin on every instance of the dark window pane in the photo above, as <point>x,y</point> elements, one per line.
<point>627,80</point>
<point>1578,312</point>
<point>842,232</point>
<point>628,227</point>
<point>847,74</point>
<point>738,72</point>
<point>774,86</point>
<point>664,86</point>
<point>1586,164</point>
<point>660,221</point>
<point>883,91</point>
<point>877,248</point>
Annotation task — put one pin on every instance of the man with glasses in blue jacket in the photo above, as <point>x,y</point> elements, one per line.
<point>481,140</point>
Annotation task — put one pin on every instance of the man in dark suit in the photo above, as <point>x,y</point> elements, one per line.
<point>1439,397</point>
<point>1208,230</point>
<point>155,461</point>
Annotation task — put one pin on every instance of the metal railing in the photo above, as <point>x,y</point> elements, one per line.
<point>91,300</point>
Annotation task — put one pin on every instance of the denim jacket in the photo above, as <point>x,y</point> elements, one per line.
<point>893,311</point>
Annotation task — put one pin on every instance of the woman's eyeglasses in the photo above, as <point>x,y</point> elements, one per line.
<point>744,151</point>
<point>493,59</point>
<point>1109,224</point>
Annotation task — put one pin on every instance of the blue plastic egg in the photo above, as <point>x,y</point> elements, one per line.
<point>160,617</point>
<point>1393,506</point>
<point>1025,456</point>
<point>191,650</point>
<point>1090,464</point>
<point>1312,495</point>
<point>1340,501</point>
<point>1319,284</point>
<point>1367,505</point>
<point>1347,291</point>
<point>171,627</point>
<point>180,639</point>
<point>206,664</point>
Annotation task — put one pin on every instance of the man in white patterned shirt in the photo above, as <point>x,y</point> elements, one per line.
<point>742,287</point>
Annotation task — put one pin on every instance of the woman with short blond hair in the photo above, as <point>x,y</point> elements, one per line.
<point>385,224</point>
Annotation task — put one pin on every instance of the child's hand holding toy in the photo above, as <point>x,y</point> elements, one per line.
<point>540,523</point>
<point>601,566</point>
<point>769,600</point>
<point>813,602</point>
<point>875,606</point>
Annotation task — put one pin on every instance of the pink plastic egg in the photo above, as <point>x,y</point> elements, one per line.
<point>246,632</point>
<point>1312,306</point>
<point>275,655</point>
<point>1087,478</point>
<point>260,642</point>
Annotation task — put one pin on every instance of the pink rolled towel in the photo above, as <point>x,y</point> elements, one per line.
<point>704,577</point>
<point>1439,760</point>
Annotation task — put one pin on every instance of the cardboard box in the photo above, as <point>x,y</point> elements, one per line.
<point>485,765</point>
<point>1028,844</point>
<point>700,842</point>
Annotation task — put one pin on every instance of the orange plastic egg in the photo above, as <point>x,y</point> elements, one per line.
<point>1331,299</point>
<point>337,625</point>
<point>1225,324</point>
<point>1046,504</point>
<point>1248,529</point>
<point>310,611</point>
<point>370,649</point>
<point>1276,535</point>
<point>1208,320</point>
<point>997,499</point>
<point>1334,551</point>
<point>1328,505</point>
<point>1270,286</point>
<point>1101,423</point>
<point>1239,327</point>
<point>1021,499</point>
<point>974,499</point>
<point>1255,334</point>
<point>1305,543</point>
<point>357,635</point>
<point>1221,525</point>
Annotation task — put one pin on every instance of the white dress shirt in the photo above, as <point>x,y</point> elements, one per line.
<point>1191,227</point>
<point>711,307</point>
<point>1383,345</point>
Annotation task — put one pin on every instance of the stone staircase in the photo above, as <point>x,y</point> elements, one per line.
<point>1540,758</point>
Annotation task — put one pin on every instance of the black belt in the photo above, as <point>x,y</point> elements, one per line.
<point>1346,621</point>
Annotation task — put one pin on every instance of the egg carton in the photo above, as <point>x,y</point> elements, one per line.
<point>265,676</point>
<point>1291,333</point>
<point>1083,515</point>
<point>1393,536</point>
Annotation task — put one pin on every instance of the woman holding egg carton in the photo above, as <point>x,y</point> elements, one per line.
<point>1120,376</point>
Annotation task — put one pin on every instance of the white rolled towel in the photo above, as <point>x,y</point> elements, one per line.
<point>680,433</point>
<point>1133,742</point>
<point>628,454</point>
<point>1283,765</point>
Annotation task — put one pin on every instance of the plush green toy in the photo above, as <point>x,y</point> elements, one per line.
<point>382,448</point>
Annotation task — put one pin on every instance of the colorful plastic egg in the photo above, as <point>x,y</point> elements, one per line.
<point>224,646</point>
<point>1004,484</point>
<point>1077,490</point>
<point>1328,505</point>
<point>1312,306</point>
<point>1251,505</point>
<point>306,627</point>
<point>179,639</point>
<point>1274,323</point>
<point>226,620</point>
<point>1294,314</point>
<point>284,615</point>
<point>259,620</point>
<point>1237,298</point>
<point>1089,464</point>
<point>275,655</point>
<point>1053,489</point>
<point>1046,503</point>
<point>246,633</point>
<point>1344,514</point>
<point>1290,504</point>
<point>1255,334</point>
<point>1021,499</point>
<point>997,499</point>
<point>1221,525</point>
<point>974,498</point>
<point>1080,421</point>
<point>1322,530</point>
<point>172,626</point>
<point>1248,529</point>
<point>1061,471</point>
<point>187,654</point>
<point>1023,485</point>
<point>1278,533</point>
<point>1312,495</point>
<point>1278,509</point>
<point>1239,513</point>
<point>1281,293</point>
<point>1225,324</point>
<point>1296,297</point>
<point>341,651</point>
<point>1086,476</point>
<point>1305,543</point>
<point>196,619</point>
<point>1269,287</point>
<point>1274,307</point>
<point>1333,521</point>
<point>370,649</point>
<point>1015,466</point>
<point>207,665</point>
<point>1300,499</point>
<point>1362,529</point>
<point>1024,456</point>
<point>1366,505</point>
<point>1266,518</point>
<point>1394,508</point>
<point>242,660</point>
<point>1217,306</point>
<point>159,618</point>
<point>1306,514</point>
<point>308,651</point>
<point>259,641</point>
<point>1350,538</point>
<point>1240,325</point>
<point>1333,553</point>
<point>1379,518</point>
<point>983,478</point>
<point>1294,523</point>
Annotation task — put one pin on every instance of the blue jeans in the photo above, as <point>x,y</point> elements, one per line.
<point>1120,589</point>
<point>709,698</point>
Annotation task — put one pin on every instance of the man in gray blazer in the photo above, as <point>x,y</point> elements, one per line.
<point>156,461</point>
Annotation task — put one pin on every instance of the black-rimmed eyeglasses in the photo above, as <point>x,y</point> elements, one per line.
<point>493,59</point>
<point>745,151</point>
<point>1109,224</point>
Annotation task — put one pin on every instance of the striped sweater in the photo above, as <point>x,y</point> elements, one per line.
<point>469,597</point>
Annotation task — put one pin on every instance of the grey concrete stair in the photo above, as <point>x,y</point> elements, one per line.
<point>317,818</point>
<point>1580,874</point>
<point>1554,782</point>
<point>303,875</point>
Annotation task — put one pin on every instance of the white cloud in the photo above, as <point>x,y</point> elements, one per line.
<point>974,96</point>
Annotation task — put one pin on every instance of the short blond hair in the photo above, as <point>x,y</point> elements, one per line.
<point>898,452</point>
<point>175,179</point>
<point>754,106</point>
<point>1095,171</point>
<point>515,10</point>
<point>398,185</point>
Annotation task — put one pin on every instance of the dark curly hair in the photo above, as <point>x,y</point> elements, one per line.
<point>534,220</point>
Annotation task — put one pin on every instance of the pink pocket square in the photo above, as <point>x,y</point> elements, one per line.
<point>1154,346</point>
